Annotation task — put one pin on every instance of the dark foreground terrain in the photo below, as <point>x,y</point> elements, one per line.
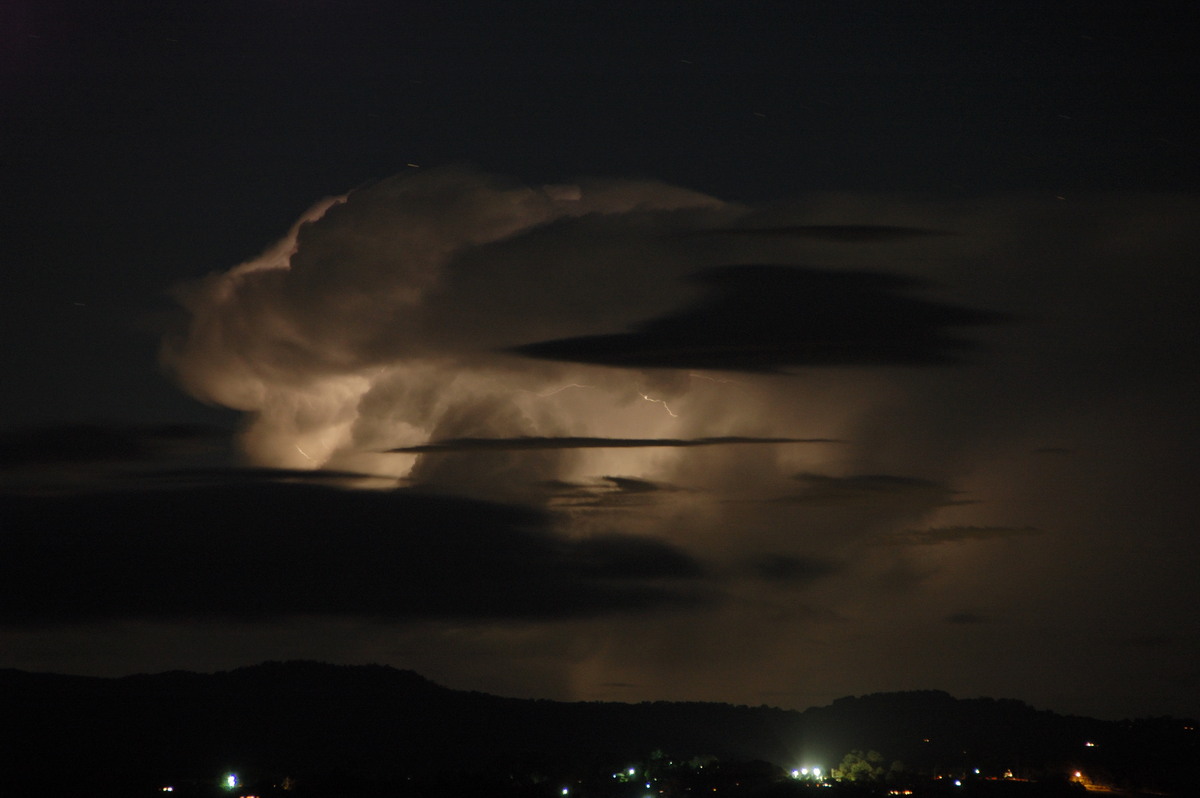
<point>303,728</point>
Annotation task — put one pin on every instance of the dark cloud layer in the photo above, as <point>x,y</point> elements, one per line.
<point>956,534</point>
<point>842,233</point>
<point>233,475</point>
<point>822,489</point>
<point>540,442</point>
<point>97,443</point>
<point>765,318</point>
<point>786,568</point>
<point>608,492</point>
<point>265,550</point>
<point>967,618</point>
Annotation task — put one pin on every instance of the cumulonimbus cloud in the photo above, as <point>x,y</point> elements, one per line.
<point>564,371</point>
<point>454,305</point>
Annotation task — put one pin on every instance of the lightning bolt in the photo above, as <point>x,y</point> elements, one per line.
<point>560,389</point>
<point>662,402</point>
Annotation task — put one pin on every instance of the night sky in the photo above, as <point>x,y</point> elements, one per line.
<point>738,351</point>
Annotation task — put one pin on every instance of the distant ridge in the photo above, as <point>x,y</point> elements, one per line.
<point>310,719</point>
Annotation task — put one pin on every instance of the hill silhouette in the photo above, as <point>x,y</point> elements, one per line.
<point>376,724</point>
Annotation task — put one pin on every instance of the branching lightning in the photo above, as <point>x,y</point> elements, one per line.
<point>662,402</point>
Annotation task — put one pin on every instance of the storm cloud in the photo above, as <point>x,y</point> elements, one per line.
<point>768,318</point>
<point>643,436</point>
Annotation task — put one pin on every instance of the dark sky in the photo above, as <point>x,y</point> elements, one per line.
<point>757,352</point>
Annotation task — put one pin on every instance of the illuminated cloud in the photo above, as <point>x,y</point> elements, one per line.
<point>378,318</point>
<point>450,311</point>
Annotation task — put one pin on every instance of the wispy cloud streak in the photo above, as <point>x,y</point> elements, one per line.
<point>537,442</point>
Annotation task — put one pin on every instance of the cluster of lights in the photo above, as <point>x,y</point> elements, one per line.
<point>229,782</point>
<point>624,776</point>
